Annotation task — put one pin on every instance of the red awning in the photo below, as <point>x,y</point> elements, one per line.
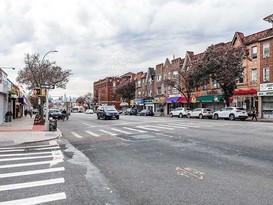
<point>183,100</point>
<point>244,91</point>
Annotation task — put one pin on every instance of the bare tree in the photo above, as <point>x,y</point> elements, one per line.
<point>127,92</point>
<point>37,72</point>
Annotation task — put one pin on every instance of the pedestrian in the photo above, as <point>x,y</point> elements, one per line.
<point>30,113</point>
<point>162,111</point>
<point>25,112</point>
<point>254,114</point>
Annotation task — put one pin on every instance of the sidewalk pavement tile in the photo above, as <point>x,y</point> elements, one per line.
<point>22,130</point>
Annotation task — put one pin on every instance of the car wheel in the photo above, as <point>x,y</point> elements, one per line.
<point>117,117</point>
<point>216,117</point>
<point>104,117</point>
<point>231,117</point>
<point>242,119</point>
<point>189,115</point>
<point>200,116</point>
<point>171,115</point>
<point>98,117</point>
<point>180,115</point>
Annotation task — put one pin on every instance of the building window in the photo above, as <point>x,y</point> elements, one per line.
<point>216,84</point>
<point>241,78</point>
<point>175,91</point>
<point>138,83</point>
<point>150,93</point>
<point>266,74</point>
<point>139,94</point>
<point>150,81</point>
<point>175,74</point>
<point>143,81</point>
<point>169,75</point>
<point>143,94</point>
<point>159,90</point>
<point>165,76</point>
<point>266,50</point>
<point>114,84</point>
<point>254,52</point>
<point>254,75</point>
<point>169,89</point>
<point>204,85</point>
<point>159,78</point>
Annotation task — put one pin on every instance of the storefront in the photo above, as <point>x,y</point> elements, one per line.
<point>159,103</point>
<point>149,104</point>
<point>246,98</point>
<point>213,102</point>
<point>139,104</point>
<point>266,99</point>
<point>172,102</point>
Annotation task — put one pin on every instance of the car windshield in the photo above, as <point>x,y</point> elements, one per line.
<point>109,109</point>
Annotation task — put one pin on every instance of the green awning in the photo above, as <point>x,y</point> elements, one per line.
<point>209,98</point>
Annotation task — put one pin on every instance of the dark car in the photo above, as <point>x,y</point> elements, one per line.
<point>146,112</point>
<point>107,112</point>
<point>55,114</point>
<point>131,111</point>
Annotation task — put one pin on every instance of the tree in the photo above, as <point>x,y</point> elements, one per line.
<point>85,99</point>
<point>223,63</point>
<point>187,80</point>
<point>127,91</point>
<point>37,72</point>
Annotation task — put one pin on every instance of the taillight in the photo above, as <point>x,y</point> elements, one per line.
<point>238,111</point>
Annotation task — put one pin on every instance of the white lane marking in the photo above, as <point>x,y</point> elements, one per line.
<point>24,154</point>
<point>29,164</point>
<point>187,125</point>
<point>146,128</point>
<point>27,147</point>
<point>36,200</point>
<point>92,133</point>
<point>128,133</point>
<point>173,126</point>
<point>140,131</point>
<point>31,184</point>
<point>110,133</point>
<point>32,149</point>
<point>32,172</point>
<point>76,135</point>
<point>24,158</point>
<point>88,124</point>
<point>160,127</point>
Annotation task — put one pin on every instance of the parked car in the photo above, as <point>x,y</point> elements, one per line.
<point>107,112</point>
<point>55,114</point>
<point>89,111</point>
<point>231,113</point>
<point>146,112</point>
<point>179,112</point>
<point>130,111</point>
<point>200,113</point>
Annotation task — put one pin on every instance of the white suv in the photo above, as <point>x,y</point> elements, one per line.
<point>180,112</point>
<point>200,113</point>
<point>231,113</point>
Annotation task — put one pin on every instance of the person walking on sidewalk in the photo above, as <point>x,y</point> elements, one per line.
<point>254,114</point>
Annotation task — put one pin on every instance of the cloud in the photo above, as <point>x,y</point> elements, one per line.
<point>97,39</point>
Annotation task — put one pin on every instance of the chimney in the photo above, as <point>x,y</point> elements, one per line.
<point>269,19</point>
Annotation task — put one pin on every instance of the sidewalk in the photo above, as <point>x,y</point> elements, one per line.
<point>22,130</point>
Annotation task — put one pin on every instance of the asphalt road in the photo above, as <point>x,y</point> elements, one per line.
<point>139,160</point>
<point>161,160</point>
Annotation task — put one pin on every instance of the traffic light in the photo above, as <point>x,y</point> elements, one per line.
<point>37,91</point>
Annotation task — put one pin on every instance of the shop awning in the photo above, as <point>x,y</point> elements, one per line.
<point>172,99</point>
<point>209,98</point>
<point>244,91</point>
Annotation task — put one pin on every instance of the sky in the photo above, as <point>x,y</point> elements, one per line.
<point>103,38</point>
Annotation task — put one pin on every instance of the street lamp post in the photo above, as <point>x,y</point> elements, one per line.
<point>47,90</point>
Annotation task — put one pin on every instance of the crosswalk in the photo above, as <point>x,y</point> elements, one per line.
<point>24,168</point>
<point>100,132</point>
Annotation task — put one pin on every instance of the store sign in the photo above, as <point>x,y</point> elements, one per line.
<point>269,93</point>
<point>266,86</point>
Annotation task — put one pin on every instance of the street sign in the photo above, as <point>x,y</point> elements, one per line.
<point>46,86</point>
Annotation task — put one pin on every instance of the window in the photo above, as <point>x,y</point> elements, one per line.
<point>159,78</point>
<point>204,85</point>
<point>143,81</point>
<point>254,75</point>
<point>150,81</point>
<point>254,52</point>
<point>241,78</point>
<point>165,76</point>
<point>159,91</point>
<point>143,94</point>
<point>175,74</point>
<point>169,75</point>
<point>216,84</point>
<point>139,94</point>
<point>150,93</point>
<point>138,83</point>
<point>266,50</point>
<point>114,84</point>
<point>175,91</point>
<point>266,74</point>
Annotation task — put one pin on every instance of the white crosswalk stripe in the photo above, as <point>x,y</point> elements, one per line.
<point>147,128</point>
<point>15,167</point>
<point>128,133</point>
<point>136,130</point>
<point>92,133</point>
<point>109,133</point>
<point>162,127</point>
<point>173,126</point>
<point>76,135</point>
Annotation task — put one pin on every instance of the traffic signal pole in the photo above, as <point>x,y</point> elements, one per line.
<point>46,119</point>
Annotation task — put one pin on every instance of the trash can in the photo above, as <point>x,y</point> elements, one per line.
<point>52,124</point>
